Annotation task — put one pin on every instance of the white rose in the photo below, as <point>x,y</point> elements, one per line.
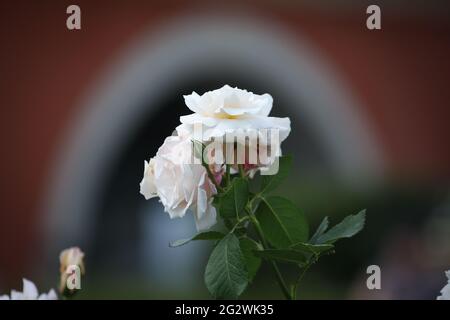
<point>30,292</point>
<point>180,184</point>
<point>228,109</point>
<point>445,292</point>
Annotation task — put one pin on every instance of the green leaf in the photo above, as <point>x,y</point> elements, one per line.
<point>252,261</point>
<point>308,248</point>
<point>320,230</point>
<point>347,228</point>
<point>232,202</point>
<point>283,255</point>
<point>282,222</point>
<point>271,182</point>
<point>225,275</point>
<point>209,235</point>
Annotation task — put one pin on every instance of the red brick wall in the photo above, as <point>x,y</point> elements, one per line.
<point>400,74</point>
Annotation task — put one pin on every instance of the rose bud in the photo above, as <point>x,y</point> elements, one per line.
<point>71,269</point>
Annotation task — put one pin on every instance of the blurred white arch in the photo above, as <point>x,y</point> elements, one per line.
<point>146,70</point>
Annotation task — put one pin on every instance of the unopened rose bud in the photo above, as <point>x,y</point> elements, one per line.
<point>71,269</point>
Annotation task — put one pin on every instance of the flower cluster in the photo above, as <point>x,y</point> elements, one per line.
<point>69,259</point>
<point>29,292</point>
<point>183,184</point>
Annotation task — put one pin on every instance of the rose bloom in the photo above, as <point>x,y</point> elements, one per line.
<point>179,183</point>
<point>30,292</point>
<point>228,109</point>
<point>445,292</point>
<point>68,257</point>
<point>182,185</point>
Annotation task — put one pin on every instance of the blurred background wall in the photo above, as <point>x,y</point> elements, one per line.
<point>81,110</point>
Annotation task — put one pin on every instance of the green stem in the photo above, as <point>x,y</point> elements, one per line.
<point>241,170</point>
<point>212,178</point>
<point>239,222</point>
<point>227,174</point>
<point>300,277</point>
<point>280,279</point>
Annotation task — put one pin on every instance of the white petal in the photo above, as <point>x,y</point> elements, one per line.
<point>229,101</point>
<point>177,212</point>
<point>208,219</point>
<point>266,104</point>
<point>29,290</point>
<point>147,186</point>
<point>238,111</point>
<point>198,118</point>
<point>445,292</point>
<point>17,295</point>
<point>51,295</point>
<point>202,203</point>
<point>192,101</point>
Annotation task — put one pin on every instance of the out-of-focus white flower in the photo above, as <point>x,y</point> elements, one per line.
<point>30,292</point>
<point>229,109</point>
<point>69,257</point>
<point>445,292</point>
<point>179,183</point>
